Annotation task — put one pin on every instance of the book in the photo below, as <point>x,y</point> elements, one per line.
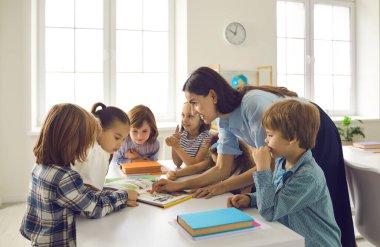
<point>215,221</point>
<point>366,145</point>
<point>143,184</point>
<point>143,167</point>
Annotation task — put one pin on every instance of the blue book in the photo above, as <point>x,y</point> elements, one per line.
<point>215,221</point>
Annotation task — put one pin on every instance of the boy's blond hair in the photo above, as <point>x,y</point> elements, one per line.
<point>295,120</point>
<point>66,134</point>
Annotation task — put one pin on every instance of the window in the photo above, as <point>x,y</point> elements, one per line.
<point>114,51</point>
<point>315,52</point>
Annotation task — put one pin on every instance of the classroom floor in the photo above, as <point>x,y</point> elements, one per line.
<point>11,216</point>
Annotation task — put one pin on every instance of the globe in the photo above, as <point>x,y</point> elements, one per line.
<point>239,81</point>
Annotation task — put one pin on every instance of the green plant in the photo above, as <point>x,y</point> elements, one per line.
<point>347,132</point>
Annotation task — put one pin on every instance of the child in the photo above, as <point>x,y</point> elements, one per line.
<point>57,192</point>
<point>296,193</point>
<point>142,143</point>
<point>190,145</point>
<point>115,130</point>
<point>242,163</point>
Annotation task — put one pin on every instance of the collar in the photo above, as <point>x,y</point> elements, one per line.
<point>301,161</point>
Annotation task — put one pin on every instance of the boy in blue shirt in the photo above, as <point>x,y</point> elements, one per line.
<point>295,194</point>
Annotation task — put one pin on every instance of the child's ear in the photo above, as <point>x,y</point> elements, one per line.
<point>294,141</point>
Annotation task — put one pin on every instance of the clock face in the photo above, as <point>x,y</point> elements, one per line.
<point>235,33</point>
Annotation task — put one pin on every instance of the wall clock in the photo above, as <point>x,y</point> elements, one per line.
<point>235,33</point>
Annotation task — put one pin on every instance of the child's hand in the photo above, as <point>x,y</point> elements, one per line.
<point>262,157</point>
<point>171,175</point>
<point>132,195</point>
<point>131,154</point>
<point>173,140</point>
<point>238,201</point>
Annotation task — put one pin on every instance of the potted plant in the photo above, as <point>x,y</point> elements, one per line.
<point>347,132</point>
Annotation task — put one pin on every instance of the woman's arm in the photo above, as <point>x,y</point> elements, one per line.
<point>194,169</point>
<point>221,171</point>
<point>232,183</point>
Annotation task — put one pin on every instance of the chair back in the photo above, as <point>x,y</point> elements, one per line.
<point>364,185</point>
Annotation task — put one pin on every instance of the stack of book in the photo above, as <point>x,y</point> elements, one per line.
<point>366,145</point>
<point>146,167</point>
<point>215,222</point>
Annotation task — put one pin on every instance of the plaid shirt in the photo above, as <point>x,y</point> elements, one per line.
<point>56,195</point>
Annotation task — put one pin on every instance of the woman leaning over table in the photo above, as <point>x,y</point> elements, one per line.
<point>239,115</point>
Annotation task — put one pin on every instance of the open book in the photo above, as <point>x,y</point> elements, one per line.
<point>143,184</point>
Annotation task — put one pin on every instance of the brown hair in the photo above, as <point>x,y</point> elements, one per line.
<point>204,79</point>
<point>141,113</point>
<point>109,114</point>
<point>295,120</point>
<point>66,134</point>
<point>244,161</point>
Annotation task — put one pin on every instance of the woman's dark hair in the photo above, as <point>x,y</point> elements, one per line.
<point>109,114</point>
<point>204,79</point>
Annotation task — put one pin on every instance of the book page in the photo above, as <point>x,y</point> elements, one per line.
<point>143,184</point>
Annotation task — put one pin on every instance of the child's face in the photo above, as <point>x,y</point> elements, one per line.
<point>112,138</point>
<point>276,143</point>
<point>190,122</point>
<point>140,135</point>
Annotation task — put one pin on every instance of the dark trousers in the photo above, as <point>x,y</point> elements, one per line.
<point>329,156</point>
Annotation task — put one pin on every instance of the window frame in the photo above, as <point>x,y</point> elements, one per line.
<point>109,62</point>
<point>309,50</point>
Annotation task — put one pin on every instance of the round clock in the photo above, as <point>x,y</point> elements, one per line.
<point>235,33</point>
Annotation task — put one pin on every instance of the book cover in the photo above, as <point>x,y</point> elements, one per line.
<point>151,167</point>
<point>215,221</point>
<point>143,184</point>
<point>366,145</point>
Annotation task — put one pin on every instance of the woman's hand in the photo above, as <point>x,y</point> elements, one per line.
<point>165,185</point>
<point>132,198</point>
<point>238,201</point>
<point>209,191</point>
<point>262,158</point>
<point>171,175</point>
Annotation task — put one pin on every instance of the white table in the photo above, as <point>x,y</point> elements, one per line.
<point>148,225</point>
<point>364,158</point>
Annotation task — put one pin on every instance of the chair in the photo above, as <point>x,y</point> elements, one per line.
<point>364,185</point>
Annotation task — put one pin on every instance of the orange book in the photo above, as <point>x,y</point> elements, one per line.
<point>150,167</point>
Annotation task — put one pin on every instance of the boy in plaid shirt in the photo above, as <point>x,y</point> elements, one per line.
<point>57,192</point>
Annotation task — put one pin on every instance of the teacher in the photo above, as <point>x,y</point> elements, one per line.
<point>239,115</point>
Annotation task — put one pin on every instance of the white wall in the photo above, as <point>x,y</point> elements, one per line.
<point>206,24</point>
<point>367,55</point>
<point>200,41</point>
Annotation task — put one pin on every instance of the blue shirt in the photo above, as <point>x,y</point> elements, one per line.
<point>299,199</point>
<point>146,150</point>
<point>245,122</point>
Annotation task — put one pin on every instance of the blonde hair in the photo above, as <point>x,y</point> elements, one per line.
<point>294,120</point>
<point>66,134</point>
<point>140,113</point>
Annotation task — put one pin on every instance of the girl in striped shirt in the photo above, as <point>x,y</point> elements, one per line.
<point>191,143</point>
<point>142,143</point>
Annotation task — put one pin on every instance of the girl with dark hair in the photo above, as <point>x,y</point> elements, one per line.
<point>239,115</point>
<point>115,129</point>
